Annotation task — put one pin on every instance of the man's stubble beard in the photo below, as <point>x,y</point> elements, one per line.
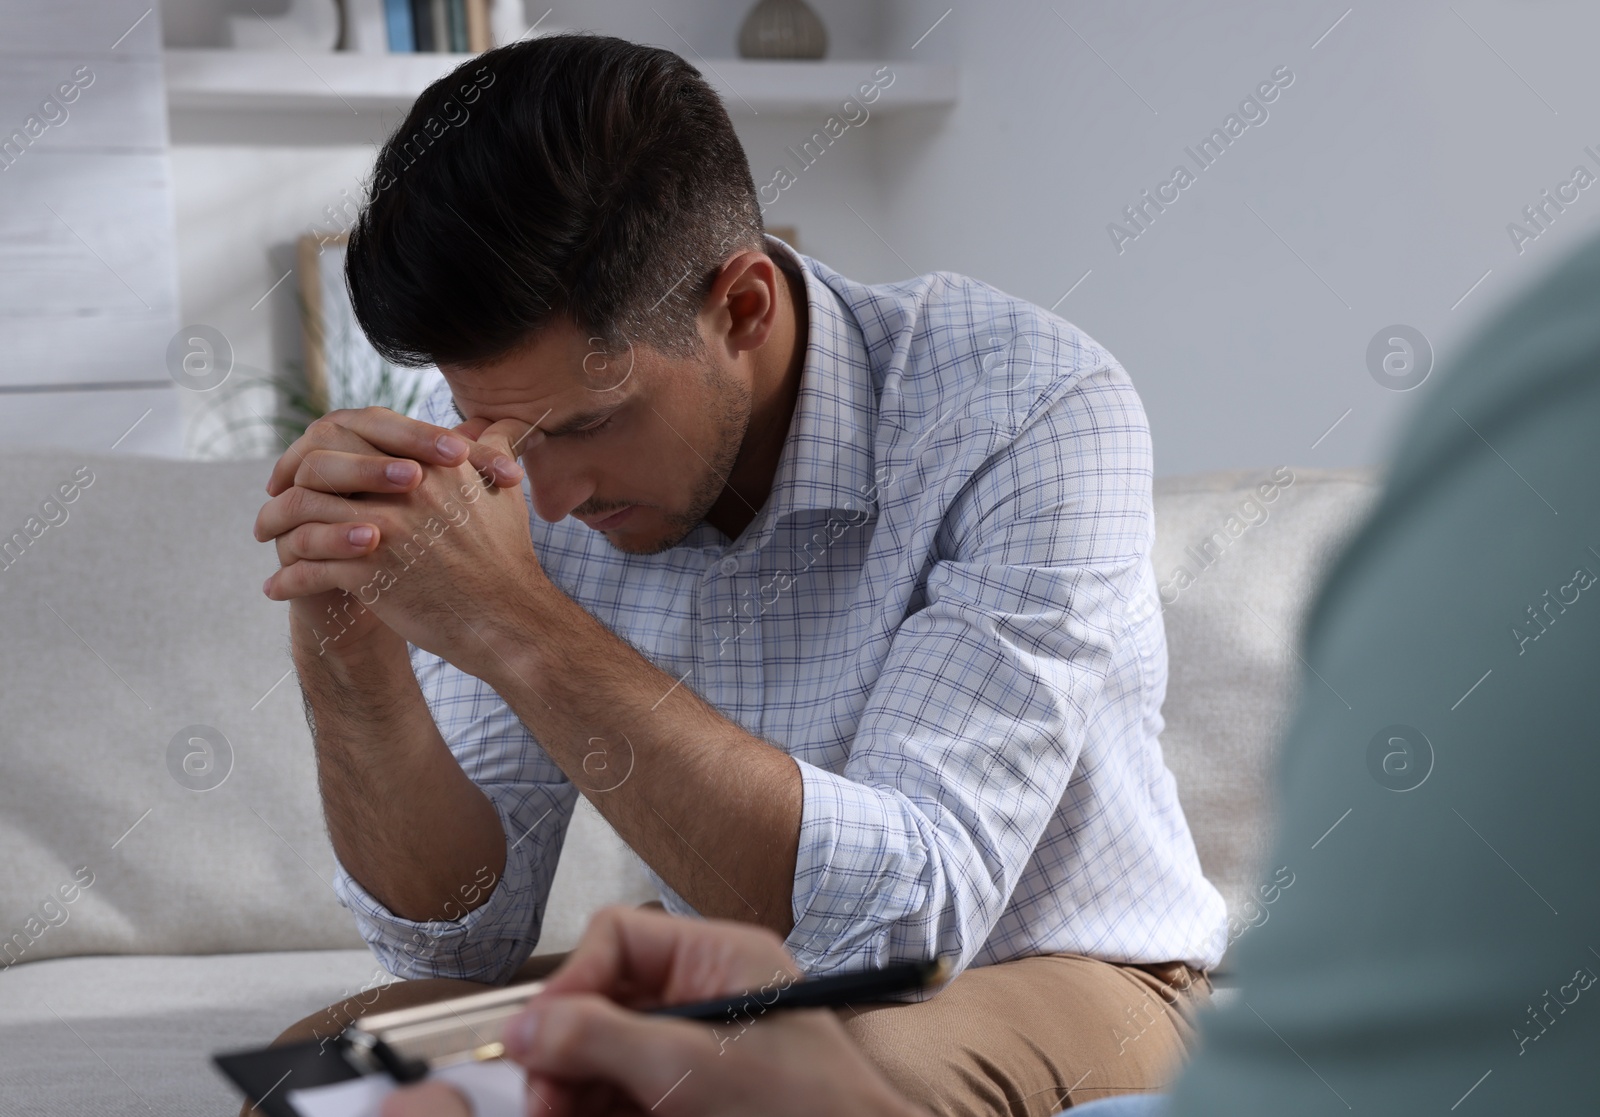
<point>732,400</point>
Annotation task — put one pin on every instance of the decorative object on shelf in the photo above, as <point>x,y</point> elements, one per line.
<point>782,29</point>
<point>307,25</point>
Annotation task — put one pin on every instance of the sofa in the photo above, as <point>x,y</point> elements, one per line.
<point>166,885</point>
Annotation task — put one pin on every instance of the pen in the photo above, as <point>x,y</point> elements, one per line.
<point>834,991</point>
<point>410,1042</point>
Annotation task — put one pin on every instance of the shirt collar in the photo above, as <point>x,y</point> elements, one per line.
<point>827,459</point>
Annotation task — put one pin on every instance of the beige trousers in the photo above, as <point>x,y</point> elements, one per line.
<point>1025,1038</point>
<point>1034,1036</point>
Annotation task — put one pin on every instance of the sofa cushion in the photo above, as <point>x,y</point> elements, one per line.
<point>134,1035</point>
<point>129,594</point>
<point>1238,557</point>
<point>130,598</point>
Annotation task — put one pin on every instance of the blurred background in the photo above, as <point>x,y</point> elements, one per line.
<point>174,181</point>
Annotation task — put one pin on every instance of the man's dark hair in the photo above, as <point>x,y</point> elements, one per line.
<point>572,176</point>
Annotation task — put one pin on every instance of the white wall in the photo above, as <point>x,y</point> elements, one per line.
<point>88,277</point>
<point>1392,166</point>
<point>1389,169</point>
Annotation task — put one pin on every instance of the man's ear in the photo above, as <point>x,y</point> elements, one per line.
<point>743,302</point>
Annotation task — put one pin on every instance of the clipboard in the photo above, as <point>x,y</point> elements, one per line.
<point>404,1044</point>
<point>267,1075</point>
<point>462,1035</point>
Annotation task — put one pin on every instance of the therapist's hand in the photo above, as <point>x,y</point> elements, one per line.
<point>587,1050</point>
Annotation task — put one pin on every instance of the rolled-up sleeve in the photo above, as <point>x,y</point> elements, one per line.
<point>534,801</point>
<point>973,730</point>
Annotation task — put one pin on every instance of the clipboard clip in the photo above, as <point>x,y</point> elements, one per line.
<point>371,1055</point>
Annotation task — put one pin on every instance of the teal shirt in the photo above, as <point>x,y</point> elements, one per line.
<point>1438,947</point>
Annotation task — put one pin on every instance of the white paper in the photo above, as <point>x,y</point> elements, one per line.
<point>494,1089</point>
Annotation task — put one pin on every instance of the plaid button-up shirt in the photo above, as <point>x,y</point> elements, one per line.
<point>945,613</point>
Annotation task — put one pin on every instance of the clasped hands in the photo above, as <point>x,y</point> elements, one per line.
<point>425,527</point>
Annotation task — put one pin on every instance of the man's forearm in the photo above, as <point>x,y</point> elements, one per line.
<point>406,822</point>
<point>712,809</point>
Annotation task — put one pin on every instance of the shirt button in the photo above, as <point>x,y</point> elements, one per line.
<point>729,565</point>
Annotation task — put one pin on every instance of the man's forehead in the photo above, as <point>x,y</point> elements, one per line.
<point>558,380</point>
<point>555,414</point>
<point>528,379</point>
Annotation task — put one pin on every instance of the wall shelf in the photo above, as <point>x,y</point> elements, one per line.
<point>244,81</point>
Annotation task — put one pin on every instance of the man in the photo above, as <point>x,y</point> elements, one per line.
<point>836,600</point>
<point>1438,952</point>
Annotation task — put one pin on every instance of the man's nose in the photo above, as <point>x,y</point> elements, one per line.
<point>556,492</point>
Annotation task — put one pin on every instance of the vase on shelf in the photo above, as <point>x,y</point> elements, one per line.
<point>782,29</point>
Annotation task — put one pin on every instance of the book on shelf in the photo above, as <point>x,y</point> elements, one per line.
<point>428,26</point>
<point>456,11</point>
<point>422,25</point>
<point>397,17</point>
<point>479,38</point>
<point>439,12</point>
